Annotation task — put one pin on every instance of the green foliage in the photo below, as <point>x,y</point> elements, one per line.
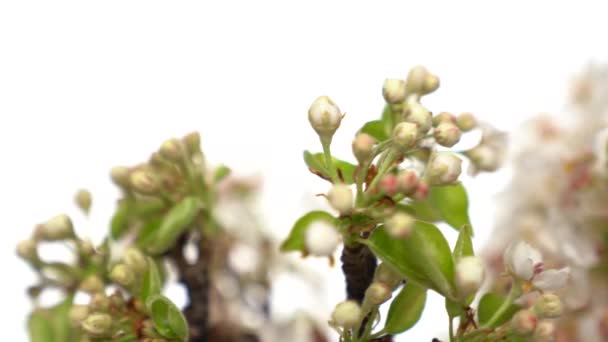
<point>295,240</point>
<point>220,173</point>
<point>316,162</point>
<point>452,203</point>
<point>48,325</point>
<point>152,281</point>
<point>177,220</point>
<point>489,304</point>
<point>405,309</point>
<point>168,319</point>
<point>376,129</point>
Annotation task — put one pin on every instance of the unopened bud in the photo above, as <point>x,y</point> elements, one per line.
<point>400,225</point>
<point>524,322</point>
<point>99,302</point>
<point>92,284</point>
<point>431,83</point>
<point>347,314</point>
<point>394,91</point>
<point>97,324</point>
<point>484,158</point>
<point>443,117</point>
<point>447,134</point>
<point>417,114</point>
<point>545,332</point>
<point>548,305</point>
<point>387,275</point>
<point>388,185</point>
<point>341,198</point>
<point>322,239</point>
<point>136,260</point>
<point>77,314</point>
<point>416,79</point>
<point>57,228</point>
<point>83,200</point>
<point>116,300</point>
<point>466,122</point>
<point>28,250</point>
<point>120,176</point>
<point>376,294</point>
<point>363,147</point>
<point>405,135</point>
<point>86,247</point>
<point>192,141</point>
<point>171,150</point>
<point>422,191</point>
<point>325,117</point>
<point>122,275</point>
<point>444,168</point>
<point>143,182</point>
<point>407,181</point>
<point>469,275</point>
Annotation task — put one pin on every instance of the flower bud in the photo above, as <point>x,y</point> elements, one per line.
<point>431,83</point>
<point>120,176</point>
<point>443,117</point>
<point>548,305</point>
<point>407,181</point>
<point>192,141</point>
<point>57,228</point>
<point>416,79</point>
<point>400,225</point>
<point>83,200</point>
<point>86,247</point>
<point>347,314</point>
<point>417,114</point>
<point>117,300</point>
<point>341,198</point>
<point>144,182</point>
<point>325,117</point>
<point>122,275</point>
<point>545,331</point>
<point>28,250</point>
<point>524,322</point>
<point>444,168</point>
<point>99,302</point>
<point>321,239</point>
<point>376,294</point>
<point>136,260</point>
<point>363,147</point>
<point>97,324</point>
<point>388,276</point>
<point>394,91</point>
<point>171,150</point>
<point>92,284</point>
<point>422,191</point>
<point>469,275</point>
<point>405,135</point>
<point>77,314</point>
<point>484,158</point>
<point>388,185</point>
<point>466,122</point>
<point>446,134</point>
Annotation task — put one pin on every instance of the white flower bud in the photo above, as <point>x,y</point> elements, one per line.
<point>394,91</point>
<point>171,150</point>
<point>400,225</point>
<point>417,114</point>
<point>322,239</point>
<point>57,228</point>
<point>388,276</point>
<point>416,79</point>
<point>324,116</point>
<point>347,314</point>
<point>92,284</point>
<point>143,182</point>
<point>27,250</point>
<point>136,260</point>
<point>363,145</point>
<point>192,141</point>
<point>97,324</point>
<point>407,181</point>
<point>469,275</point>
<point>77,314</point>
<point>548,305</point>
<point>341,198</point>
<point>447,134</point>
<point>405,135</point>
<point>376,294</point>
<point>122,275</point>
<point>99,302</point>
<point>120,176</point>
<point>431,83</point>
<point>86,247</point>
<point>443,117</point>
<point>83,200</point>
<point>444,168</point>
<point>466,122</point>
<point>524,322</point>
<point>484,158</point>
<point>545,332</point>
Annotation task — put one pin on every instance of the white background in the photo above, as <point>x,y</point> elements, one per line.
<point>87,85</point>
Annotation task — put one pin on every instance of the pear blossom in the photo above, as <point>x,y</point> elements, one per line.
<point>526,263</point>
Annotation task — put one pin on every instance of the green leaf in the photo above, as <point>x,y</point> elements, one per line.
<point>376,129</point>
<point>39,326</point>
<point>120,221</point>
<point>147,231</point>
<point>488,305</point>
<point>48,325</point>
<point>464,244</point>
<point>406,309</point>
<point>424,257</point>
<point>316,162</point>
<point>60,320</point>
<point>295,240</point>
<point>453,308</point>
<point>177,221</point>
<point>425,210</point>
<point>152,282</point>
<point>168,319</point>
<point>453,204</point>
<point>220,173</point>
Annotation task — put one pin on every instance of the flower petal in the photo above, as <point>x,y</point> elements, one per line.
<point>523,259</point>
<point>551,280</point>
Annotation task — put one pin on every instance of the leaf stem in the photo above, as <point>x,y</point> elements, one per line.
<point>503,307</point>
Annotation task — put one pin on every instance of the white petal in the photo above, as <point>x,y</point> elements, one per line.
<point>551,280</point>
<point>523,259</point>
